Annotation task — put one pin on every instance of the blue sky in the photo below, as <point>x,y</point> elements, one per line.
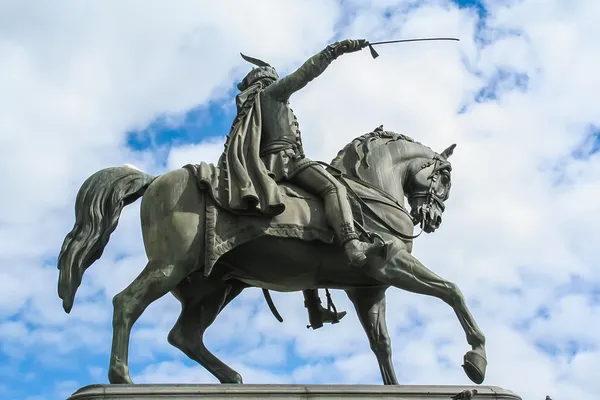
<point>196,125</point>
<point>134,94</point>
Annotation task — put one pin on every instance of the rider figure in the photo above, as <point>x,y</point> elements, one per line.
<point>282,153</point>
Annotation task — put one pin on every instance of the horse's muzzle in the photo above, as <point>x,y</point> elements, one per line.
<point>428,215</point>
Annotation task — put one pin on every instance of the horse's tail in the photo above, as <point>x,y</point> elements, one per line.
<point>98,207</point>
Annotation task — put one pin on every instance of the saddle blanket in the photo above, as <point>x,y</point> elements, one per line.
<point>303,218</point>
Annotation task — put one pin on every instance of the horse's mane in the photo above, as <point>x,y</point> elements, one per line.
<point>357,151</point>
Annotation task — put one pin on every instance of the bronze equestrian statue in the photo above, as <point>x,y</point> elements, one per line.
<point>268,217</point>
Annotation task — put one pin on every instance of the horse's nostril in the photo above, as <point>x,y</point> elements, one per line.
<point>438,220</point>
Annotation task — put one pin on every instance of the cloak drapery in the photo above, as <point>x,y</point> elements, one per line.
<point>245,185</point>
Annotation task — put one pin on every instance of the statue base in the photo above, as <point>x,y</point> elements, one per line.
<point>284,392</point>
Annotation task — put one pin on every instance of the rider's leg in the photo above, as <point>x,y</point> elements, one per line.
<point>318,181</point>
<point>317,314</point>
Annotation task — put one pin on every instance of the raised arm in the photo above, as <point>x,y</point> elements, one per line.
<point>313,67</point>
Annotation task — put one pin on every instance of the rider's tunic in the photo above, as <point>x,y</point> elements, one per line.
<point>281,142</point>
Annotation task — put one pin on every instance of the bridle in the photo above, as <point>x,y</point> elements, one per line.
<point>429,195</point>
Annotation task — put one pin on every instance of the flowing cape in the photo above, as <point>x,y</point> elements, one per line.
<point>246,186</point>
<point>240,184</point>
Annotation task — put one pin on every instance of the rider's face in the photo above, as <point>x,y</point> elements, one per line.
<point>428,186</point>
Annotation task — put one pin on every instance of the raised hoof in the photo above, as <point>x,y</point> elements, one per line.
<point>475,366</point>
<point>118,374</point>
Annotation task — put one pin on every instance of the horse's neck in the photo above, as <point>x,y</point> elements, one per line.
<point>388,166</point>
<point>388,177</point>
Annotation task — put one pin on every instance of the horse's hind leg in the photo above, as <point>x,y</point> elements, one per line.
<point>171,212</point>
<point>154,281</point>
<point>370,308</point>
<point>404,271</point>
<point>200,308</point>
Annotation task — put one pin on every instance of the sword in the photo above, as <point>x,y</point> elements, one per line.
<point>374,54</point>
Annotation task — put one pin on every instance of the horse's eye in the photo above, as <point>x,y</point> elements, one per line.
<point>445,179</point>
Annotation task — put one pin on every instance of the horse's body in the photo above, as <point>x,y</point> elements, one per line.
<point>313,265</point>
<point>173,228</point>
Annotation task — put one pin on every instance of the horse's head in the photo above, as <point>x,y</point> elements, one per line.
<point>429,188</point>
<point>401,167</point>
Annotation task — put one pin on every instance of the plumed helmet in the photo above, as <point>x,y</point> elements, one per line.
<point>263,71</point>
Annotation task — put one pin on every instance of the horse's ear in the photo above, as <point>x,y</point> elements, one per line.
<point>448,152</point>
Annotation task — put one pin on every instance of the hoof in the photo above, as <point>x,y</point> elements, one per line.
<point>118,374</point>
<point>233,379</point>
<point>475,365</point>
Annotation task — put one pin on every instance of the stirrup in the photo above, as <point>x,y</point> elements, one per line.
<point>337,317</point>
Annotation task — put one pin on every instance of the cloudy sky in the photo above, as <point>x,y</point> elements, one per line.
<point>87,85</point>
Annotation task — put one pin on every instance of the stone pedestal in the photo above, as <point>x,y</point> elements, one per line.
<point>284,392</point>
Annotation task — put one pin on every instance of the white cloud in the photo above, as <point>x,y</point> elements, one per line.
<point>74,79</point>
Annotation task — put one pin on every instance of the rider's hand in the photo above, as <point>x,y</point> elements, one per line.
<point>350,46</point>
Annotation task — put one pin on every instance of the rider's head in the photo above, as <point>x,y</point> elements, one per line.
<point>264,72</point>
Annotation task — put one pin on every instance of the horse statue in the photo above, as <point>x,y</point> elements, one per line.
<point>292,251</point>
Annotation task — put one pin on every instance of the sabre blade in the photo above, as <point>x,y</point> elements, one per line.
<point>374,53</point>
<point>415,40</point>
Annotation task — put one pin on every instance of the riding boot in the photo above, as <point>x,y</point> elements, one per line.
<point>358,251</point>
<point>342,221</point>
<point>317,314</point>
<point>338,213</point>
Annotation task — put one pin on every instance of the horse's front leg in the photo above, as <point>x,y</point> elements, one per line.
<point>404,271</point>
<point>370,308</point>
